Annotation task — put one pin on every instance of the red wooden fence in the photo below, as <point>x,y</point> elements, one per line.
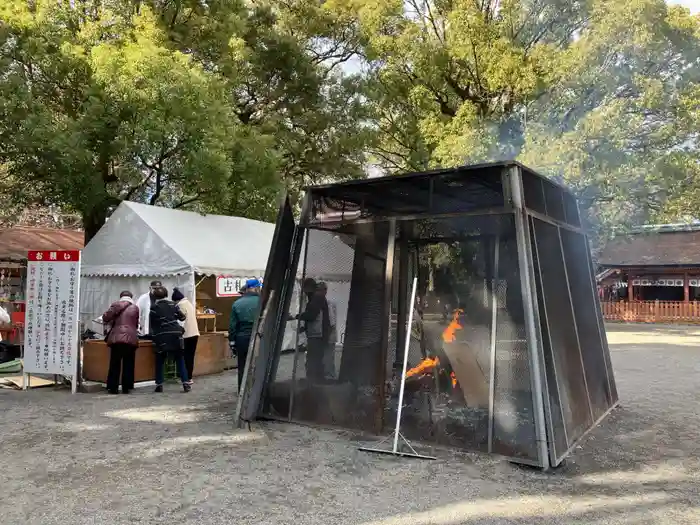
<point>652,311</point>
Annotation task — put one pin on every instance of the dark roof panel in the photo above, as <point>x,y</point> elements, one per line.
<point>680,248</point>
<point>16,242</point>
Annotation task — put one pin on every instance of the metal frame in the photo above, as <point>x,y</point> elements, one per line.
<point>529,306</point>
<point>286,293</point>
<point>554,222</point>
<point>296,342</point>
<point>494,320</point>
<point>547,454</point>
<point>554,458</point>
<point>386,321</point>
<point>498,210</point>
<point>251,390</point>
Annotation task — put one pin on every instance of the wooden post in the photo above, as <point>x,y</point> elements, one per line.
<point>686,288</point>
<point>630,288</point>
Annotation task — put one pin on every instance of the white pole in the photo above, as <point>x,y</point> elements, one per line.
<point>77,368</point>
<point>405,364</point>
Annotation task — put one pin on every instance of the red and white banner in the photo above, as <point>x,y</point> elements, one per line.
<point>51,332</point>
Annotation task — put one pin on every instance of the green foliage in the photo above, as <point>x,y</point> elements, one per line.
<point>215,106</point>
<point>600,94</point>
<point>218,105</point>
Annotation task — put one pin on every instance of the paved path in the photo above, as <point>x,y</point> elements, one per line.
<point>175,458</point>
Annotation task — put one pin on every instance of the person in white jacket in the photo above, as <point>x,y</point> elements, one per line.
<point>191,335</point>
<point>4,318</point>
<point>144,302</point>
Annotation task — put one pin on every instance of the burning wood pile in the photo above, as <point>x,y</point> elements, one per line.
<point>453,368</point>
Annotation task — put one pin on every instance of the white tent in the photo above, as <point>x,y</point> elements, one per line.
<point>140,243</point>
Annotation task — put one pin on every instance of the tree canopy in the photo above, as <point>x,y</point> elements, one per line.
<point>179,103</point>
<point>600,94</point>
<point>218,105</point>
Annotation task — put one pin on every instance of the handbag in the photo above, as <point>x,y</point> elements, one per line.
<point>114,321</point>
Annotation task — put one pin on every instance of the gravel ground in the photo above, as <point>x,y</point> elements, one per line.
<point>176,458</point>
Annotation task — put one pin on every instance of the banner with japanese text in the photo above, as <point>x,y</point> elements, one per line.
<point>51,332</point>
<point>227,286</point>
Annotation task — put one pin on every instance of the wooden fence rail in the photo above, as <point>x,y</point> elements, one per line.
<point>652,311</point>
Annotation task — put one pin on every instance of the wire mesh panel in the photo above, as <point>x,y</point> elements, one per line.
<point>563,359</point>
<point>558,440</point>
<point>325,267</point>
<point>448,191</point>
<point>554,200</point>
<point>468,370</point>
<point>592,349</point>
<point>545,197</point>
<point>332,374</point>
<point>513,425</point>
<point>533,192</point>
<point>604,338</point>
<point>272,303</point>
<point>447,381</point>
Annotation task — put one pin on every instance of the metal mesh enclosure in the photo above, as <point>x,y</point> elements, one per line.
<point>338,382</point>
<point>507,351</point>
<point>580,385</point>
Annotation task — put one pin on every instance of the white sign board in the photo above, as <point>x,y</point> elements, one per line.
<point>227,286</point>
<point>51,333</point>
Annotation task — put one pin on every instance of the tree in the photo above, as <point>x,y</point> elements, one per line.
<point>213,106</point>
<point>596,93</point>
<point>95,109</point>
<point>280,62</point>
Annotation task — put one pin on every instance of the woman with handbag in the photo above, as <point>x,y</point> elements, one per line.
<point>122,340</point>
<point>167,334</point>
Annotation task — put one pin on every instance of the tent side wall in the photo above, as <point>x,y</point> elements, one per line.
<point>98,292</point>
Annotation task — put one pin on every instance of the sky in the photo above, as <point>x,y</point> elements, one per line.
<point>693,5</point>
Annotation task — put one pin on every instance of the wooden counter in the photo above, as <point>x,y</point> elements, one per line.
<point>212,357</point>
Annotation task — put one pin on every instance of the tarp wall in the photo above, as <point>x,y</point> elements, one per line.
<point>97,293</point>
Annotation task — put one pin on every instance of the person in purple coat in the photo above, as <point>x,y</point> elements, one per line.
<point>122,339</point>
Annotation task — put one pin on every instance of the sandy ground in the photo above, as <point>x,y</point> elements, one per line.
<point>176,458</point>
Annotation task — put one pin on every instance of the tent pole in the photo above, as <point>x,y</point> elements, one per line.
<point>194,287</point>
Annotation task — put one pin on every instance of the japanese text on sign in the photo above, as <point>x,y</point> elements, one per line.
<point>51,331</point>
<point>229,286</point>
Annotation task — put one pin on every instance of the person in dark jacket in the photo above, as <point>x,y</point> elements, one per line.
<point>122,340</point>
<point>244,313</point>
<point>317,326</point>
<point>167,334</point>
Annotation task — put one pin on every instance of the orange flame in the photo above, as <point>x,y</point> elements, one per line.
<point>449,335</point>
<point>423,367</point>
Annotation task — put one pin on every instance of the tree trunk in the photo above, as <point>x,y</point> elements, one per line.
<point>93,220</point>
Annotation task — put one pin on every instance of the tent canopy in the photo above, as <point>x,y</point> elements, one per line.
<point>139,240</point>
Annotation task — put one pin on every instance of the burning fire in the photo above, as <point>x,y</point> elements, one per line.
<point>425,366</point>
<point>449,335</point>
